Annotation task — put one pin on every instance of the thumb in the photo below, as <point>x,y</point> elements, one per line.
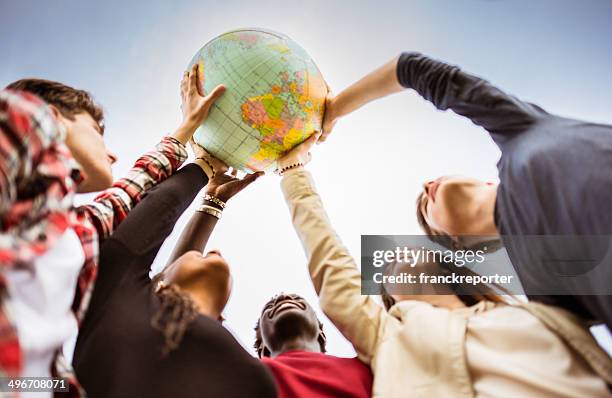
<point>249,178</point>
<point>307,145</point>
<point>254,176</point>
<point>214,95</point>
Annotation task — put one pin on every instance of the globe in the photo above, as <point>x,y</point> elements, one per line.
<point>274,98</point>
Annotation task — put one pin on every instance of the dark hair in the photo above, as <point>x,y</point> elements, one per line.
<point>68,100</point>
<point>176,312</point>
<point>262,350</point>
<point>468,294</point>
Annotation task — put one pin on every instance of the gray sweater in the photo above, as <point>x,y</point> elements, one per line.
<point>555,182</point>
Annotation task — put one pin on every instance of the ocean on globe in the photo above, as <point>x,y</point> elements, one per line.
<point>275,97</point>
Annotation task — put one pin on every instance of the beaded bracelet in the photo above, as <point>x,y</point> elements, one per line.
<point>209,165</point>
<point>215,200</point>
<point>286,168</point>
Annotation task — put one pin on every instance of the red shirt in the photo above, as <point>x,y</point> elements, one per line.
<point>302,374</point>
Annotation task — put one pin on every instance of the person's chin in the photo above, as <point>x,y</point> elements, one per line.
<point>90,185</point>
<point>289,316</point>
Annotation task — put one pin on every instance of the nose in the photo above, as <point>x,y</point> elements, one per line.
<point>214,252</point>
<point>112,158</point>
<point>426,186</point>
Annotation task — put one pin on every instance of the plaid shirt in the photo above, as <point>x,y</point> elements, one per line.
<point>38,179</point>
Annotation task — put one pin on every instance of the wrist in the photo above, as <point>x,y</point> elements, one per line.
<point>212,205</point>
<point>184,132</point>
<point>289,167</point>
<point>206,168</point>
<point>214,201</point>
<point>191,122</point>
<point>336,108</point>
<point>292,170</point>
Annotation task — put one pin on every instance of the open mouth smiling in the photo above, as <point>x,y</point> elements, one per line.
<point>284,304</point>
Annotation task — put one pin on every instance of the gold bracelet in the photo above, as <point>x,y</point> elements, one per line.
<point>210,210</point>
<point>209,165</point>
<point>215,200</point>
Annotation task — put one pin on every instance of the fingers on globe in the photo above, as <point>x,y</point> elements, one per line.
<point>216,93</point>
<point>312,139</point>
<point>184,81</point>
<point>193,79</point>
<point>249,178</point>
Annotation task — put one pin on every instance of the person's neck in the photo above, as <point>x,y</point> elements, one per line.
<point>298,344</point>
<point>203,302</point>
<point>486,213</point>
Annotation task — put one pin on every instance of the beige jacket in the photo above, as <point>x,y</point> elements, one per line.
<point>415,349</point>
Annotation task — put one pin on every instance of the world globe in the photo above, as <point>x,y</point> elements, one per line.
<point>274,98</point>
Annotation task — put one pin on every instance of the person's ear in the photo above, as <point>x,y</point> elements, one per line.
<point>55,112</point>
<point>322,339</point>
<point>59,118</point>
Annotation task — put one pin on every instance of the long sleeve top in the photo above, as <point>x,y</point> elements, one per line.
<point>554,200</point>
<point>119,354</point>
<point>418,350</point>
<point>38,180</point>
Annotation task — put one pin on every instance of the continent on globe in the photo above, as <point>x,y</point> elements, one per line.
<point>274,100</point>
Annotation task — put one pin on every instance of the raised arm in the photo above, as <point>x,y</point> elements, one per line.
<point>112,205</point>
<point>153,219</point>
<point>218,192</point>
<point>444,85</point>
<point>133,246</point>
<point>377,84</point>
<point>333,270</point>
<point>448,87</point>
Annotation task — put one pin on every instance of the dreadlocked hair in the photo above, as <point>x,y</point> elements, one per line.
<point>176,311</point>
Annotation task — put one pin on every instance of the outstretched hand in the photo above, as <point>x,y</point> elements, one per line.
<point>225,186</point>
<point>194,104</point>
<point>330,116</point>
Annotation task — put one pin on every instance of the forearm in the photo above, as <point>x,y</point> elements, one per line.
<point>184,132</point>
<point>112,205</point>
<point>333,271</point>
<point>153,219</point>
<point>195,235</point>
<point>448,87</point>
<point>377,84</point>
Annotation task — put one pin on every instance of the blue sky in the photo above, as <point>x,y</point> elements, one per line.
<point>131,55</point>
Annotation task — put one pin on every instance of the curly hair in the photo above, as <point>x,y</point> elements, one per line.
<point>69,101</point>
<point>176,312</point>
<point>262,350</point>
